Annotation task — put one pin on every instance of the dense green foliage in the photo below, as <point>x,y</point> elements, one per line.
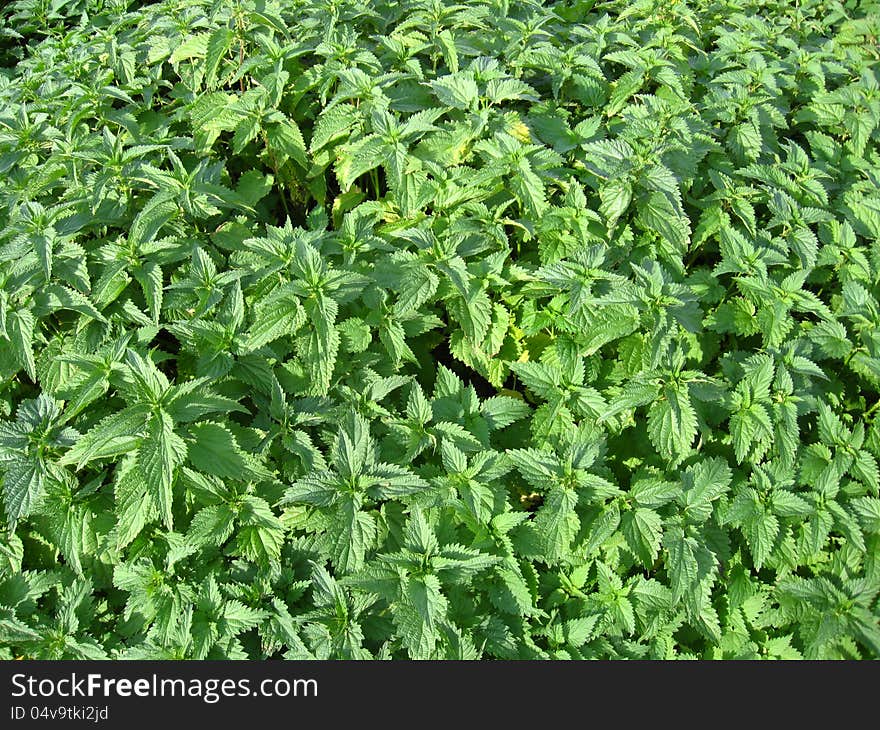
<point>491,329</point>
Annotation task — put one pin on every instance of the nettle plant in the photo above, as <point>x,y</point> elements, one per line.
<point>536,330</point>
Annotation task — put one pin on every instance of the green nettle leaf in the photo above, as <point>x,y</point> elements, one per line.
<point>483,331</point>
<point>658,214</point>
<point>683,565</point>
<point>22,485</point>
<point>116,434</point>
<point>643,529</point>
<point>214,451</point>
<point>704,482</point>
<point>150,220</point>
<point>354,533</point>
<point>19,329</point>
<point>158,457</point>
<point>287,139</point>
<point>608,324</point>
<point>417,287</point>
<point>458,90</point>
<point>218,44</point>
<point>260,534</point>
<point>672,423</point>
<point>556,524</point>
<point>616,198</point>
<point>277,317</point>
<point>323,343</point>
<point>134,508</point>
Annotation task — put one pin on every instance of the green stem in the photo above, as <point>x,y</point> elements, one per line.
<point>872,409</point>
